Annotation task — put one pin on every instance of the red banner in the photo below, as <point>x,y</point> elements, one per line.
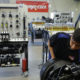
<point>35,6</point>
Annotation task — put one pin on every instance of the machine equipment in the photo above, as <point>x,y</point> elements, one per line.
<point>60,70</point>
<point>13,34</point>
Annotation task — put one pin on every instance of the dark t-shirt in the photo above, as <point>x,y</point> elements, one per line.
<point>61,46</point>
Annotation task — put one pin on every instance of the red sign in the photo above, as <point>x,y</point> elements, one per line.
<point>35,6</point>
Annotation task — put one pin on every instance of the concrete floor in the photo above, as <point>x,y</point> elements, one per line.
<point>35,59</point>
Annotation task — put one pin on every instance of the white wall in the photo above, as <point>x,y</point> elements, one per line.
<point>56,5</point>
<point>34,15</point>
<point>4,1</point>
<point>67,5</point>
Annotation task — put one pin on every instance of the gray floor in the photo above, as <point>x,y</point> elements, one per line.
<point>35,59</point>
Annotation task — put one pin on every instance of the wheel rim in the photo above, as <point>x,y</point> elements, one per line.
<point>52,75</point>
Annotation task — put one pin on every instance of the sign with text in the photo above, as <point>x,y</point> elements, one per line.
<point>35,6</point>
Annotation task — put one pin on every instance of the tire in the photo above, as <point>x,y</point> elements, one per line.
<point>50,69</point>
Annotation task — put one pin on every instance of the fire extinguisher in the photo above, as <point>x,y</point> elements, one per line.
<point>24,63</point>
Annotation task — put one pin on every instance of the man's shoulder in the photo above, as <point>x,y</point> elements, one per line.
<point>59,35</point>
<point>62,35</point>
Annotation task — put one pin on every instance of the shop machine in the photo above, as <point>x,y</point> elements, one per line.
<point>13,34</point>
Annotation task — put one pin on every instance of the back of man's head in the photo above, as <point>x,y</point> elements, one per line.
<point>76,35</point>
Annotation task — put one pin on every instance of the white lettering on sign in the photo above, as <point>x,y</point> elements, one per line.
<point>37,7</point>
